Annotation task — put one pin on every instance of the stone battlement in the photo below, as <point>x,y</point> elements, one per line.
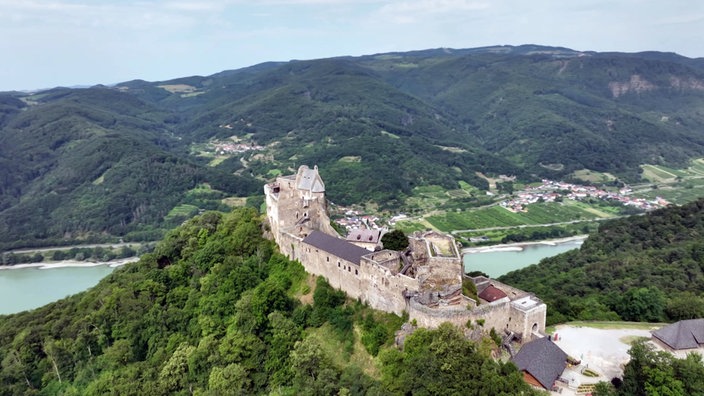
<point>425,280</point>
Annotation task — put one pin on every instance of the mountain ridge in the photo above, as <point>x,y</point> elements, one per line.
<point>378,126</point>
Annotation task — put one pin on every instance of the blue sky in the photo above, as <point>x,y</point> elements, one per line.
<point>47,43</point>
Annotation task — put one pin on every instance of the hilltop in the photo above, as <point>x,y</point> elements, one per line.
<point>215,310</point>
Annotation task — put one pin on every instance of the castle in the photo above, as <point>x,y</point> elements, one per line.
<point>425,280</point>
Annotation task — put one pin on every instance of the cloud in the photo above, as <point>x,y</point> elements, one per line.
<point>125,14</point>
<point>435,6</point>
<point>682,19</point>
<point>408,12</point>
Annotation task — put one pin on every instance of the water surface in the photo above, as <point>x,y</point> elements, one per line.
<point>28,288</point>
<point>502,261</point>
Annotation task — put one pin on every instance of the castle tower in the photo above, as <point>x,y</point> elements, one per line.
<point>296,204</point>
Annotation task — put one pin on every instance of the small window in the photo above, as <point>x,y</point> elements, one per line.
<point>338,265</point>
<point>356,272</point>
<point>349,269</point>
<point>327,259</point>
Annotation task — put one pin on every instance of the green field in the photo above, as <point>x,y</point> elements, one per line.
<point>451,210</point>
<point>659,174</point>
<point>593,176</point>
<point>678,186</point>
<point>497,216</point>
<point>427,198</point>
<point>689,191</point>
<point>181,211</point>
<point>697,167</point>
<point>528,233</point>
<point>410,226</point>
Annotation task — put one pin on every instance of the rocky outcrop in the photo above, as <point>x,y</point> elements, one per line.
<point>636,84</point>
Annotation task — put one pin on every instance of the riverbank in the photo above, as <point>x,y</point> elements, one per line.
<point>71,263</point>
<point>519,246</point>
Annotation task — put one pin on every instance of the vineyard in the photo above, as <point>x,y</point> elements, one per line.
<point>497,216</point>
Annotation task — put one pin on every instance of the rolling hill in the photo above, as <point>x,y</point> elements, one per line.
<point>109,161</point>
<point>86,164</point>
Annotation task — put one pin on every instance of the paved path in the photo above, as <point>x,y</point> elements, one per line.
<point>603,350</point>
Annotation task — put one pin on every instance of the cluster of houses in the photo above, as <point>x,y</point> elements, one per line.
<point>224,148</point>
<point>551,191</point>
<point>354,220</point>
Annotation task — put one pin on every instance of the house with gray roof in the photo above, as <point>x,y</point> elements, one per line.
<point>365,238</point>
<point>685,335</point>
<point>542,362</point>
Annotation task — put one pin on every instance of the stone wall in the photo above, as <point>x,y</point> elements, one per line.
<point>430,291</point>
<point>385,290</point>
<point>433,317</point>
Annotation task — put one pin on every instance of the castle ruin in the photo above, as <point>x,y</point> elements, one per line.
<point>425,280</point>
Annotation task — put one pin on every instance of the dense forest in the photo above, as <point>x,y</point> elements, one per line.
<point>216,310</point>
<point>646,268</point>
<point>90,164</point>
<point>124,161</point>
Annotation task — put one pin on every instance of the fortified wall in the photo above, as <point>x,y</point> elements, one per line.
<point>425,280</point>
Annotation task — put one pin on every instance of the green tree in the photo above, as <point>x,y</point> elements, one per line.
<point>312,369</point>
<point>395,240</point>
<point>442,361</point>
<point>229,380</point>
<point>174,374</point>
<point>644,304</point>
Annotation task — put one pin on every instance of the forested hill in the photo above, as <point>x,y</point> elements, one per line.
<point>643,268</point>
<point>215,311</point>
<point>85,164</point>
<point>130,160</point>
<point>548,111</point>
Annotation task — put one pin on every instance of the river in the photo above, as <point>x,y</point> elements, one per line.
<point>31,287</point>
<point>28,288</point>
<point>499,260</point>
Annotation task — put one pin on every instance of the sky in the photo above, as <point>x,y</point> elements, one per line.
<point>48,43</point>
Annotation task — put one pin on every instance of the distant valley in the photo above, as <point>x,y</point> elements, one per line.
<point>135,159</point>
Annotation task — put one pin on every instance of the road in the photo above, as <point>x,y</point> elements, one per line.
<point>533,225</point>
<point>89,246</point>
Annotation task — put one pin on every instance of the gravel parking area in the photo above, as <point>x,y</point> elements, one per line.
<point>602,350</point>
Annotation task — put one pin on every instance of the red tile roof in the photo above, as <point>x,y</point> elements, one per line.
<point>492,294</point>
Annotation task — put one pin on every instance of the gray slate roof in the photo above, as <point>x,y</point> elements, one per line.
<point>364,235</point>
<point>543,360</point>
<point>310,180</point>
<point>336,246</point>
<point>685,334</point>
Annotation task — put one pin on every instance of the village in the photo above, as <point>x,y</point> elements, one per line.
<point>222,148</point>
<point>548,191</point>
<point>554,191</point>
